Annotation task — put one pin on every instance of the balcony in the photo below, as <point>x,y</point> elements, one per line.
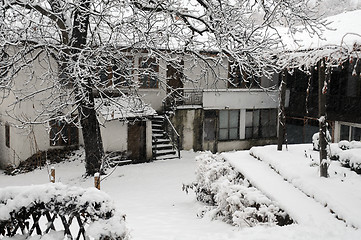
<point>223,98</point>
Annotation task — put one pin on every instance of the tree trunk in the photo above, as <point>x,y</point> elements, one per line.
<point>281,113</point>
<point>322,117</point>
<point>93,144</point>
<point>88,119</point>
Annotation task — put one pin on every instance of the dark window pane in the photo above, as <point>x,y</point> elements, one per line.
<point>264,117</point>
<point>223,134</point>
<point>7,135</point>
<point>223,119</point>
<point>255,121</point>
<point>273,116</point>
<point>249,115</point>
<point>344,135</point>
<point>273,131</point>
<point>249,132</point>
<point>356,134</point>
<point>233,133</point>
<point>265,131</point>
<point>233,119</point>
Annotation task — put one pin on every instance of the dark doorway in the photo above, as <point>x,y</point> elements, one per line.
<point>137,141</point>
<point>210,131</point>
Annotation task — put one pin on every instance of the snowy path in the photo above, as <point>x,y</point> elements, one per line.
<point>156,207</point>
<point>301,208</point>
<point>340,192</point>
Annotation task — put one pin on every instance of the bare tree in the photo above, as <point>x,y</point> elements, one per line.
<point>65,48</point>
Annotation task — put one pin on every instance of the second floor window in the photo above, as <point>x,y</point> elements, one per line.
<point>123,72</point>
<point>118,74</point>
<point>240,79</point>
<point>148,72</point>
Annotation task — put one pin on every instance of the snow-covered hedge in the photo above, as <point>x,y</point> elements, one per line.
<point>93,207</point>
<point>232,198</point>
<point>351,158</point>
<point>348,153</point>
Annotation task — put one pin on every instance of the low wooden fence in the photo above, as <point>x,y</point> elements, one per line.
<point>56,208</point>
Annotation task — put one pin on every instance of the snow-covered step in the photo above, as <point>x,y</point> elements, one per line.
<point>299,206</point>
<point>162,154</point>
<point>162,147</point>
<point>162,141</point>
<point>157,131</point>
<point>158,135</point>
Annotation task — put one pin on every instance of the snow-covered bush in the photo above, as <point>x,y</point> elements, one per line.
<point>351,158</point>
<point>333,151</point>
<point>92,209</point>
<point>232,198</point>
<point>344,145</point>
<point>316,138</point>
<point>349,154</point>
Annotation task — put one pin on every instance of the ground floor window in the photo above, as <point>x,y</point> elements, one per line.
<point>63,134</point>
<point>228,124</point>
<point>261,123</point>
<point>7,135</point>
<point>350,133</point>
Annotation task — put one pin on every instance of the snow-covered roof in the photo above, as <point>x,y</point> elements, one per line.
<point>123,108</point>
<point>341,39</point>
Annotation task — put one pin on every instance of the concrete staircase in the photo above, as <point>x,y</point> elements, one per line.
<point>161,144</point>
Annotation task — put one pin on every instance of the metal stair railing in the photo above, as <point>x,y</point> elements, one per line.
<point>172,134</point>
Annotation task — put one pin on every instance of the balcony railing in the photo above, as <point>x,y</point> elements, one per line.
<point>183,96</point>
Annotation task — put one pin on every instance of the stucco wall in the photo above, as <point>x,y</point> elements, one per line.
<point>24,142</point>
<point>189,124</point>
<point>240,99</point>
<point>114,135</point>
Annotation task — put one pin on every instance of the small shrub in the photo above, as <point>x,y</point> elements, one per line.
<point>230,197</point>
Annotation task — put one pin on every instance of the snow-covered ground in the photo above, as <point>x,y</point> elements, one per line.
<point>156,207</point>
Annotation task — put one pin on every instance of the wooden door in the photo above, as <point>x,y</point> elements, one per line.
<point>137,141</point>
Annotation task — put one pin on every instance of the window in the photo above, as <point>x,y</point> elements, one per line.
<point>63,134</point>
<point>122,72</point>
<point>119,74</point>
<point>7,135</point>
<point>228,124</point>
<point>261,123</point>
<point>241,79</point>
<point>350,133</point>
<point>149,70</point>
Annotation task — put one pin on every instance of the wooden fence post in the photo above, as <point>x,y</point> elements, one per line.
<point>52,175</point>
<point>97,180</point>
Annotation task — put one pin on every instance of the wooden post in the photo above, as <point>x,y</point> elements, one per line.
<point>97,180</point>
<point>322,89</point>
<point>52,175</point>
<point>281,112</point>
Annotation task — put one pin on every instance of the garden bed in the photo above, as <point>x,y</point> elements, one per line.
<point>230,197</point>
